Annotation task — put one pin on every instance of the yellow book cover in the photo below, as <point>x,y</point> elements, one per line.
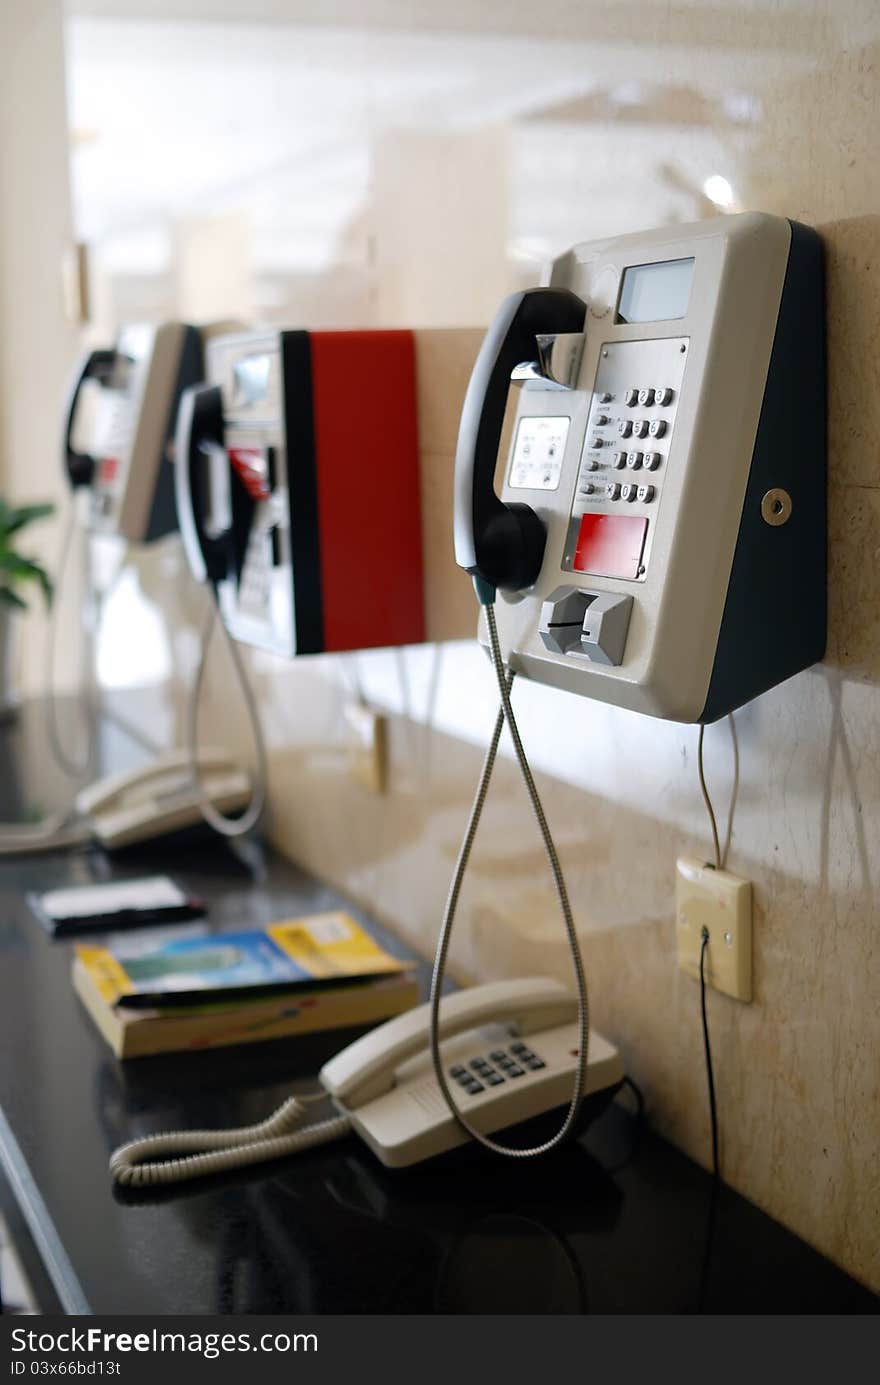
<point>320,950</point>
<point>141,1033</point>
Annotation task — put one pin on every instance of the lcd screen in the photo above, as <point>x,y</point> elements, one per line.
<point>655,292</point>
<point>251,376</point>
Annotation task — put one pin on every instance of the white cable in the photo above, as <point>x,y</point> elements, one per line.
<point>227,827</point>
<point>54,833</point>
<point>505,713</point>
<point>76,768</point>
<point>141,1163</point>
<point>720,855</point>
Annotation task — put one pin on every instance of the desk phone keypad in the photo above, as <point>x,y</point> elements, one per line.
<point>627,441</point>
<point>502,1064</point>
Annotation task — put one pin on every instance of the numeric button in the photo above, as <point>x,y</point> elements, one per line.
<point>619,461</point>
<point>634,460</point>
<point>646,398</point>
<point>663,396</point>
<point>640,427</point>
<point>612,490</point>
<point>652,460</point>
<point>625,427</point>
<point>631,398</point>
<point>657,427</point>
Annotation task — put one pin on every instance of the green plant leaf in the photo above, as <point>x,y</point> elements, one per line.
<point>10,598</point>
<point>15,519</point>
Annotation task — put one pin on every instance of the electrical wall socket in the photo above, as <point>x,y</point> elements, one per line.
<point>368,741</point>
<point>721,902</point>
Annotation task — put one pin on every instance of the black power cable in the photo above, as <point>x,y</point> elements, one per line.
<point>713,1110</point>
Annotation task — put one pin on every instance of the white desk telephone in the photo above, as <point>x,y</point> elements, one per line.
<point>510,1048</point>
<point>153,801</point>
<point>161,797</point>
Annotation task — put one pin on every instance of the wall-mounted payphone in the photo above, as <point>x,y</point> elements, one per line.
<point>127,465</point>
<point>659,538</point>
<point>298,488</point>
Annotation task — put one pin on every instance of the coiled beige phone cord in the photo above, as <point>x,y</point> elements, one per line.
<point>505,713</point>
<point>145,1163</point>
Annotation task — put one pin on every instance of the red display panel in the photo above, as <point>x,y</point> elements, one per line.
<point>252,467</point>
<point>610,545</point>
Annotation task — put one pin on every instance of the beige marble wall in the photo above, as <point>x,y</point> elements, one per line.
<point>798,1070</point>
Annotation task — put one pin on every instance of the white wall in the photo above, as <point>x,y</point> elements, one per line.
<point>37,344</point>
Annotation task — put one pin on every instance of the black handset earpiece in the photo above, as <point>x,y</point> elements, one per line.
<point>95,365</point>
<point>502,545</point>
<point>199,429</point>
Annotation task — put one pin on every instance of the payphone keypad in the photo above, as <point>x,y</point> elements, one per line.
<point>625,456</point>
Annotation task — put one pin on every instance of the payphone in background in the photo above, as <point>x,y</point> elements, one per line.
<point>298,489</point>
<point>134,388</point>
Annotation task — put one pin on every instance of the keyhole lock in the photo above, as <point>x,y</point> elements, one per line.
<point>776,506</point>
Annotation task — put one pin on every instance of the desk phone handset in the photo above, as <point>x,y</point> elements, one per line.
<point>510,1048</point>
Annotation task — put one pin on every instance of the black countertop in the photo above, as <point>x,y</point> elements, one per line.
<point>612,1223</point>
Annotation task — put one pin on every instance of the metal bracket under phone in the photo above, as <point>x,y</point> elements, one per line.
<point>558,363</point>
<point>595,624</point>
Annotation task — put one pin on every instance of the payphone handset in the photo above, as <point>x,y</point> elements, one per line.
<point>127,463</point>
<point>297,478</point>
<point>659,537</point>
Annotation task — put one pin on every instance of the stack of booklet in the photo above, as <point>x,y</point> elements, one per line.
<point>165,991</point>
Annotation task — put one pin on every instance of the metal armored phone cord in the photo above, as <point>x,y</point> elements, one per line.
<point>505,713</point>
<point>227,827</point>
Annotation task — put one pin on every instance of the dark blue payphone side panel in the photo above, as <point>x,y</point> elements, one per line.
<point>163,510</point>
<point>775,613</point>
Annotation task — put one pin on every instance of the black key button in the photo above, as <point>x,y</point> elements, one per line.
<point>473,1087</point>
<point>514,1071</point>
<point>534,1063</point>
<point>494,1079</point>
<point>458,1071</point>
<point>498,1055</point>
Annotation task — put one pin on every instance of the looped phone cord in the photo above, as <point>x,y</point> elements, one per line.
<point>227,827</point>
<point>200,1152</point>
<point>505,679</point>
<point>74,767</point>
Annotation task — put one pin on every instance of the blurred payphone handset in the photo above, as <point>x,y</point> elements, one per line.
<point>134,389</point>
<point>117,434</point>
